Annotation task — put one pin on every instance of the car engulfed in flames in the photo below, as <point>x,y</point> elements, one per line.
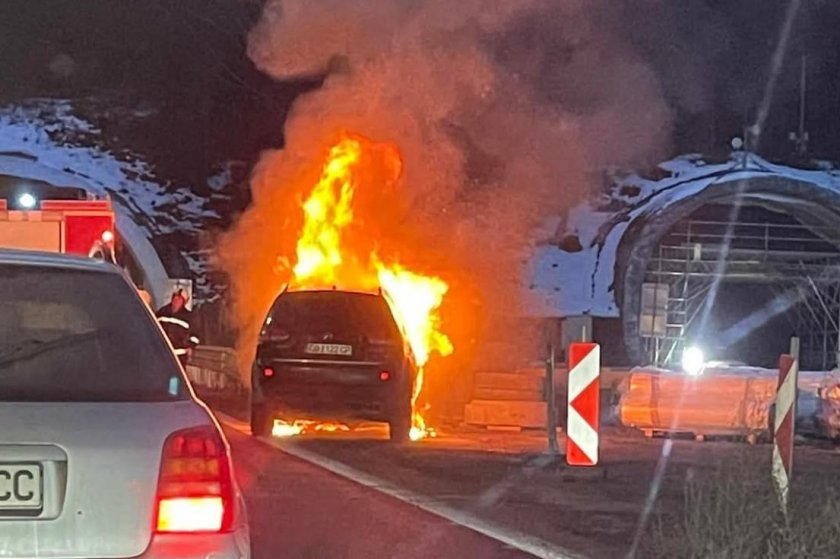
<point>325,259</point>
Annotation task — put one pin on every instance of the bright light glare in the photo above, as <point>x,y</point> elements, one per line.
<point>190,514</point>
<point>107,236</point>
<point>693,360</point>
<point>27,201</point>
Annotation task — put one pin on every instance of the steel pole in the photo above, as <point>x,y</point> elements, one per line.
<point>551,400</point>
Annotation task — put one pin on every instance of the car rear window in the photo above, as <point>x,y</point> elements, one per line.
<point>79,336</point>
<point>355,314</point>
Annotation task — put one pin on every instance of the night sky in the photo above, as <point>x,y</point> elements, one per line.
<point>186,61</point>
<point>171,80</point>
<point>181,64</point>
<point>713,59</point>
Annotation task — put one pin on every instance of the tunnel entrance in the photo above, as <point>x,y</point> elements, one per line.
<point>738,280</point>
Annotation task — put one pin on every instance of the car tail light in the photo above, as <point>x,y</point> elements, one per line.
<point>190,514</point>
<point>384,376</point>
<point>268,372</point>
<point>195,488</point>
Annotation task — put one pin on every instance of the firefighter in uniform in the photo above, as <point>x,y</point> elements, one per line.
<point>175,319</point>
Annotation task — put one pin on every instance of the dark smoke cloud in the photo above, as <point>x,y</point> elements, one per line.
<point>505,113</point>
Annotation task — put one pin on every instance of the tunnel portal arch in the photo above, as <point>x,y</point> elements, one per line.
<point>811,203</point>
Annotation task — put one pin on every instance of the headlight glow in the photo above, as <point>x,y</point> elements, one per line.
<point>27,201</point>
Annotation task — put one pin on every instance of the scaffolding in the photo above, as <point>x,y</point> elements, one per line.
<point>800,264</point>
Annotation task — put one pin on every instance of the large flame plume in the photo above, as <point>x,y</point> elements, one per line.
<point>505,114</point>
<point>322,259</point>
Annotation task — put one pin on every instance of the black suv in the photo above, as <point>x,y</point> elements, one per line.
<point>335,355</point>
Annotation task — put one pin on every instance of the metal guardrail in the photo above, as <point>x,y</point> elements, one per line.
<point>215,368</point>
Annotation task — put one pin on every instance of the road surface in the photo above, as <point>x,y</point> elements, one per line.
<point>498,480</point>
<point>299,510</point>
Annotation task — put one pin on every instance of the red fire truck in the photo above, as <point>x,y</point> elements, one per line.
<point>75,226</point>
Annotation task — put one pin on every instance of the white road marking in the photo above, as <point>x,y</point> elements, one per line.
<point>512,538</point>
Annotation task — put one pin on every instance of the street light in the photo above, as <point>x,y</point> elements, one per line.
<point>693,360</point>
<point>27,201</point>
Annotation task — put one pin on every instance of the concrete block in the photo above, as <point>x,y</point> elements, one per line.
<point>509,381</point>
<point>489,393</point>
<point>499,412</point>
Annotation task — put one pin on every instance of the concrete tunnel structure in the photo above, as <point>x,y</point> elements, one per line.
<point>604,278</point>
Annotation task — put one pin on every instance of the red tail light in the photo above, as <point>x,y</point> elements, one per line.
<point>195,489</point>
<point>384,376</point>
<point>268,372</point>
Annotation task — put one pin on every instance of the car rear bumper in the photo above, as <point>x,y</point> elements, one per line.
<point>233,545</point>
<point>230,545</point>
<point>332,402</point>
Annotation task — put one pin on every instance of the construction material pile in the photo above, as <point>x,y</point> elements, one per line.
<point>725,401</point>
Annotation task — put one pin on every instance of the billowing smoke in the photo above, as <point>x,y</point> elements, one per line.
<point>505,113</point>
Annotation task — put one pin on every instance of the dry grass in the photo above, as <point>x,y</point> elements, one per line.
<point>732,513</point>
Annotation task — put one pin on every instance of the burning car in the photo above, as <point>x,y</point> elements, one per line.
<point>353,336</point>
<point>332,355</point>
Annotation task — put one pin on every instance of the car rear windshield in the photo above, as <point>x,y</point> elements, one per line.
<point>80,336</point>
<point>353,314</point>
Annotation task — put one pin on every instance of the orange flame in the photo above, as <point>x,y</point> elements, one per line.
<point>327,212</point>
<point>324,261</point>
<point>300,426</point>
<point>414,300</point>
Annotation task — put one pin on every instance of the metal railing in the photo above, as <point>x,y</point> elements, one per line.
<point>215,368</point>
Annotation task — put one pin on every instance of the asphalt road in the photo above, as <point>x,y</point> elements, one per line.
<point>498,480</point>
<point>298,510</point>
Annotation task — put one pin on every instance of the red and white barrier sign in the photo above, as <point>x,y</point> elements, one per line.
<point>584,392</point>
<point>784,426</point>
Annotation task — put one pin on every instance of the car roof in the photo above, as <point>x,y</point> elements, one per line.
<point>291,291</point>
<point>14,257</point>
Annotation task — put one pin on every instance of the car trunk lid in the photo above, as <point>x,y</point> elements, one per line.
<point>99,465</point>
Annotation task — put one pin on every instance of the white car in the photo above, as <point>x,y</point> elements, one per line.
<point>104,450</point>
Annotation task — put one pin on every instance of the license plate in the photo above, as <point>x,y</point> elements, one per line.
<point>329,349</point>
<point>20,487</point>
